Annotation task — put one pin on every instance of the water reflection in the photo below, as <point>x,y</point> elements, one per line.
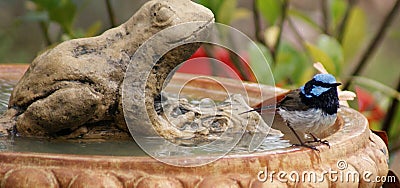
<point>112,148</point>
<point>120,148</point>
<point>5,93</point>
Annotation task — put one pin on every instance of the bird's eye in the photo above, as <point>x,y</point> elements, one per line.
<point>327,85</point>
<point>162,14</point>
<point>308,87</point>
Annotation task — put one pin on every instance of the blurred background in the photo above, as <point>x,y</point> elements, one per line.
<point>357,41</point>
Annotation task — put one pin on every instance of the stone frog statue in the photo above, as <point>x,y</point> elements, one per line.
<point>77,84</point>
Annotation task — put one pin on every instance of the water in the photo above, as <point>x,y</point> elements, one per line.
<point>111,148</point>
<point>117,148</point>
<point>5,93</point>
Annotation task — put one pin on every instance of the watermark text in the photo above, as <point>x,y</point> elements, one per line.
<point>341,174</point>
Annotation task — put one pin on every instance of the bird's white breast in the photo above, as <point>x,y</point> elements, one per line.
<point>309,121</point>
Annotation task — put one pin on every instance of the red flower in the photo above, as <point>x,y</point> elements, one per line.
<point>368,106</point>
<point>201,63</point>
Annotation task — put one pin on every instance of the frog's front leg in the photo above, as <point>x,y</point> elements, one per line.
<point>64,110</point>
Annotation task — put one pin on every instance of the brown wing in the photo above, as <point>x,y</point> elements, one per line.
<point>289,101</point>
<point>270,103</point>
<point>292,101</point>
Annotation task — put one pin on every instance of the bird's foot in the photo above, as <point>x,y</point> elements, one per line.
<point>324,142</point>
<point>316,139</point>
<point>307,146</point>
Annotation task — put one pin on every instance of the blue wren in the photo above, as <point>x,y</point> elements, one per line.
<point>310,109</point>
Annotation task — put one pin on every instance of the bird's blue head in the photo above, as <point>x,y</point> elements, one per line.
<point>320,84</point>
<point>321,92</point>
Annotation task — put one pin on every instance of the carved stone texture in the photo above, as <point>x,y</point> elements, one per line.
<point>29,177</point>
<point>360,149</point>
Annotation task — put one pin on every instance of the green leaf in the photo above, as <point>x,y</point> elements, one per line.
<point>78,33</point>
<point>259,63</point>
<point>241,13</point>
<point>213,5</point>
<point>46,4</point>
<point>225,12</point>
<point>61,11</point>
<point>319,55</point>
<point>355,32</point>
<point>377,86</point>
<point>291,64</point>
<point>93,29</point>
<point>6,44</point>
<point>333,49</point>
<point>36,16</point>
<point>307,75</point>
<point>271,10</point>
<point>394,131</point>
<point>337,10</point>
<point>304,18</point>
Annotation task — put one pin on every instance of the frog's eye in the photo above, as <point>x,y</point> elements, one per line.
<point>162,14</point>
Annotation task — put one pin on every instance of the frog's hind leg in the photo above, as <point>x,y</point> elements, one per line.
<point>64,110</point>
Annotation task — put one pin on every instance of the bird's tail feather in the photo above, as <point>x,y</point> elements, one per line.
<point>260,109</point>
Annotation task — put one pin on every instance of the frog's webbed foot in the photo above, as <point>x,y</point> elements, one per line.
<point>62,111</point>
<point>7,122</point>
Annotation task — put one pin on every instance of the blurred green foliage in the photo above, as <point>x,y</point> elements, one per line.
<point>61,13</point>
<point>355,32</point>
<point>292,61</point>
<point>270,10</point>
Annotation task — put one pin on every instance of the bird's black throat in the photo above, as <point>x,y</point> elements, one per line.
<point>328,101</point>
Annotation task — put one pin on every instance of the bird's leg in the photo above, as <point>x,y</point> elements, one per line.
<point>298,138</point>
<point>316,139</point>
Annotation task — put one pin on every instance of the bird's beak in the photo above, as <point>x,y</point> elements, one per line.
<point>336,84</point>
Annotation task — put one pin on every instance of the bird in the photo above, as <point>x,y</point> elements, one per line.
<point>309,109</point>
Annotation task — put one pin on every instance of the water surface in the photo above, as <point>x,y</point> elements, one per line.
<point>111,148</point>
<point>5,93</point>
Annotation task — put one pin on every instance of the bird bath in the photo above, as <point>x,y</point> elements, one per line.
<point>354,151</point>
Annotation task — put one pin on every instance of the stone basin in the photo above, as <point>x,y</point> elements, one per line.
<point>354,150</point>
